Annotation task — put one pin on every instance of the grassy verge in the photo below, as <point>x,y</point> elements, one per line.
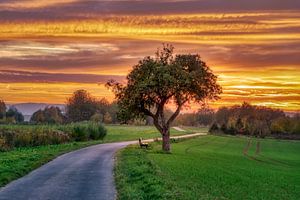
<point>211,167</point>
<point>138,178</point>
<point>20,161</point>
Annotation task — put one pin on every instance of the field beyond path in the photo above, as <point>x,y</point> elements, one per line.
<point>211,167</point>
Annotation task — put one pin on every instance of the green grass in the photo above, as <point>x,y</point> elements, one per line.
<point>211,167</point>
<point>127,132</point>
<point>20,161</point>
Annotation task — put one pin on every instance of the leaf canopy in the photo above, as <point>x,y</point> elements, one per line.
<point>156,81</point>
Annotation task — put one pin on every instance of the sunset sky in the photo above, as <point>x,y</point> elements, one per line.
<point>48,48</point>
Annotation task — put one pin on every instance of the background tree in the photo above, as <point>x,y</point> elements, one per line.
<point>107,119</point>
<point>14,116</point>
<point>81,106</point>
<point>50,115</point>
<point>113,110</point>
<point>2,109</point>
<point>253,120</point>
<point>155,82</point>
<point>205,116</point>
<point>103,106</point>
<point>38,117</point>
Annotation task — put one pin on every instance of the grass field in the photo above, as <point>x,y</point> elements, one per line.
<point>20,161</point>
<point>211,167</point>
<point>127,133</point>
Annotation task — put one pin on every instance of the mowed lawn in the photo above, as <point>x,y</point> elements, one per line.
<point>20,161</point>
<point>212,167</point>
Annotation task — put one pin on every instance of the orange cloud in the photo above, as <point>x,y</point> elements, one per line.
<point>32,4</point>
<point>255,54</point>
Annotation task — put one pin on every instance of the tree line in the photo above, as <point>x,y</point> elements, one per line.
<point>245,119</point>
<point>259,121</point>
<point>81,106</point>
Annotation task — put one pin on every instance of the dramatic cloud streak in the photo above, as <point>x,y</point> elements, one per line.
<point>58,47</point>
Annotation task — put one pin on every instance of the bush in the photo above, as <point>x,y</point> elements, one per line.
<point>80,133</point>
<point>47,137</point>
<point>97,118</point>
<point>96,131</point>
<point>35,135</point>
<point>85,131</point>
<point>10,139</point>
<point>214,128</point>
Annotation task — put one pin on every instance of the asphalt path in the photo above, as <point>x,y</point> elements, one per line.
<point>85,174</point>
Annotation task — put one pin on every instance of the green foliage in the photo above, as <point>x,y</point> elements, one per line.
<point>212,167</point>
<point>81,106</point>
<point>36,135</point>
<point>85,131</point>
<point>154,82</point>
<point>14,138</point>
<point>79,132</point>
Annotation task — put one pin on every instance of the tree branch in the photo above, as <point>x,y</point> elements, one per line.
<point>175,114</point>
<point>156,124</point>
<point>147,112</point>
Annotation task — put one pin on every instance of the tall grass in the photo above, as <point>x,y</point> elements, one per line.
<point>12,136</point>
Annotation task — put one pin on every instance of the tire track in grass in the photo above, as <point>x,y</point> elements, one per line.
<point>258,150</point>
<point>246,148</point>
<point>274,161</point>
<point>187,150</point>
<point>258,153</point>
<point>246,152</point>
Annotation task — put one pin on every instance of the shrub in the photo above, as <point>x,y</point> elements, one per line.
<point>25,136</point>
<point>30,137</point>
<point>214,128</point>
<point>80,132</point>
<point>97,118</point>
<point>84,131</point>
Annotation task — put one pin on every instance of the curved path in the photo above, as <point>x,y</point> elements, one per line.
<point>83,174</point>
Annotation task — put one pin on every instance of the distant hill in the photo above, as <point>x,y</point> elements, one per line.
<point>29,108</point>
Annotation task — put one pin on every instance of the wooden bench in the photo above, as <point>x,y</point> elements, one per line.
<point>142,144</point>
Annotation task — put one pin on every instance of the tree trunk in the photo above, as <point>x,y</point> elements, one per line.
<point>166,141</point>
